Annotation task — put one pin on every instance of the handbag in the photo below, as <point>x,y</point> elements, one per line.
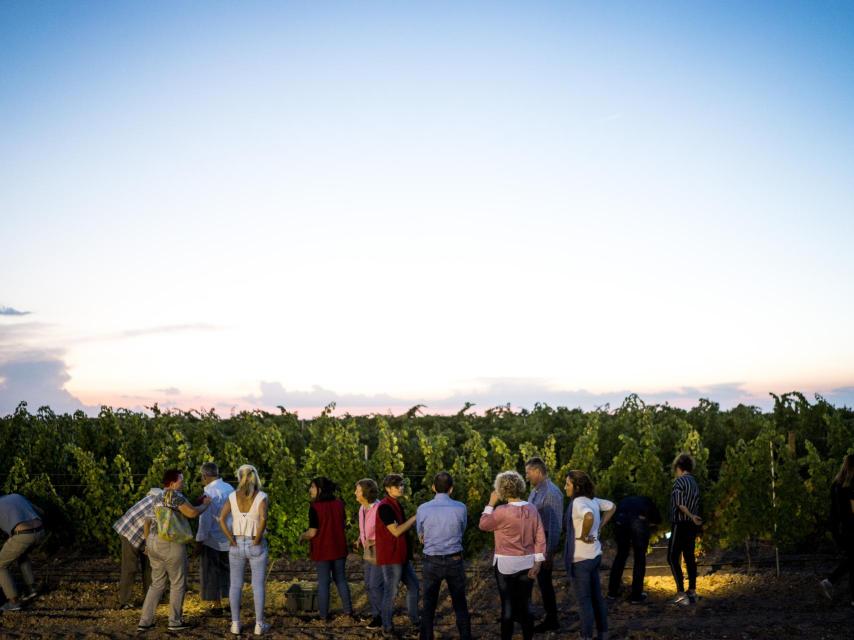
<point>172,526</point>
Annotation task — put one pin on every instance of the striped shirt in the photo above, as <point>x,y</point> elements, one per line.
<point>685,492</point>
<point>131,524</point>
<point>548,500</point>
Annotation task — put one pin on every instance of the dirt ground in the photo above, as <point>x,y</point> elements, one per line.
<point>79,599</point>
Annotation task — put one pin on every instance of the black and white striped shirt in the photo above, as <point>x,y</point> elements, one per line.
<point>686,492</point>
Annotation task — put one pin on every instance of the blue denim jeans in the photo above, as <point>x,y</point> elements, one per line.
<point>588,594</point>
<point>374,587</point>
<point>334,570</point>
<point>393,575</point>
<point>256,554</point>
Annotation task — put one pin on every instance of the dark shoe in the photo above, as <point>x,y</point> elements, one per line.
<point>375,623</point>
<point>11,606</point>
<point>179,627</point>
<point>640,600</point>
<point>126,606</point>
<point>547,625</point>
<point>142,628</point>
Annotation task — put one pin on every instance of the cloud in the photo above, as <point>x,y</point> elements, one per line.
<point>840,397</point>
<point>486,393</point>
<point>149,331</point>
<point>9,311</point>
<point>38,380</point>
<point>169,391</point>
<point>274,394</point>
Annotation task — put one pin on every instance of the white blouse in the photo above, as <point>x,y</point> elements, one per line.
<point>246,523</point>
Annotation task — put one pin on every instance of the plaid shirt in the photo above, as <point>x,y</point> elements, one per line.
<point>548,500</point>
<point>132,523</point>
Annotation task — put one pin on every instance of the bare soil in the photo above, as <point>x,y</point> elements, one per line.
<point>78,600</point>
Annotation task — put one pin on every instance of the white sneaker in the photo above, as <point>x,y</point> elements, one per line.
<point>235,628</point>
<point>261,628</point>
<point>826,588</point>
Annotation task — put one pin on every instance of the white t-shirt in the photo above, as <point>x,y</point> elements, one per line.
<point>581,506</point>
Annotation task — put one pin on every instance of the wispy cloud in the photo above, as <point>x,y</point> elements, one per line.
<point>169,391</point>
<point>149,331</point>
<point>9,311</point>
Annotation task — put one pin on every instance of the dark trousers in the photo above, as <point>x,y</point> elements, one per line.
<point>631,536</point>
<point>133,561</point>
<point>515,591</point>
<point>846,565</point>
<point>214,573</point>
<point>681,545</point>
<point>547,591</point>
<point>452,570</point>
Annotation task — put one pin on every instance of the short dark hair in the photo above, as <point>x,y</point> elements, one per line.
<point>210,470</point>
<point>393,480</point>
<point>443,482</point>
<point>582,485</point>
<point>326,489</point>
<point>537,463</point>
<point>684,461</point>
<point>170,476</point>
<point>370,490</point>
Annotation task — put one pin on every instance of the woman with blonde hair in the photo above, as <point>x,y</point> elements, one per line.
<point>842,526</point>
<point>248,509</point>
<point>520,547</point>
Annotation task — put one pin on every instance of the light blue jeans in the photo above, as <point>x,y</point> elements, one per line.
<point>588,594</point>
<point>256,554</point>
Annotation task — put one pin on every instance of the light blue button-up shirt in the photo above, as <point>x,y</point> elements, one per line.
<point>549,502</point>
<point>441,523</point>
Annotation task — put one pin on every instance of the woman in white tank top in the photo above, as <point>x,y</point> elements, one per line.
<point>247,506</point>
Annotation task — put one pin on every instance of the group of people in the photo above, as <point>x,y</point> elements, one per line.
<point>528,529</point>
<point>527,535</point>
<point>232,522</point>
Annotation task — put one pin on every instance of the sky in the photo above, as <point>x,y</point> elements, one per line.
<point>245,205</point>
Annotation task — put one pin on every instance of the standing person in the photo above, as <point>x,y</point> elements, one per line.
<point>685,521</point>
<point>367,493</point>
<point>520,548</point>
<point>22,522</point>
<point>394,553</point>
<point>583,551</point>
<point>213,563</point>
<point>166,547</point>
<point>632,522</point>
<point>131,528</point>
<point>247,506</point>
<point>327,521</point>
<point>842,526</point>
<point>441,524</point>
<point>548,500</point>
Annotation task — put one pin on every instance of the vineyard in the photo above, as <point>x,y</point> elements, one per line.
<point>765,476</point>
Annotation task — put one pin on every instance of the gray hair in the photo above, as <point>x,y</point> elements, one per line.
<point>509,484</point>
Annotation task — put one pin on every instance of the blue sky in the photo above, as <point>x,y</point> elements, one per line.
<point>386,203</point>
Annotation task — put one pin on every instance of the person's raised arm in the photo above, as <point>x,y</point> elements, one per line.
<point>398,530</point>
<point>487,518</point>
<point>194,512</point>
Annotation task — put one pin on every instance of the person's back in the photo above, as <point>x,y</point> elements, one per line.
<point>20,521</point>
<point>14,510</point>
<point>634,517</point>
<point>441,523</point>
